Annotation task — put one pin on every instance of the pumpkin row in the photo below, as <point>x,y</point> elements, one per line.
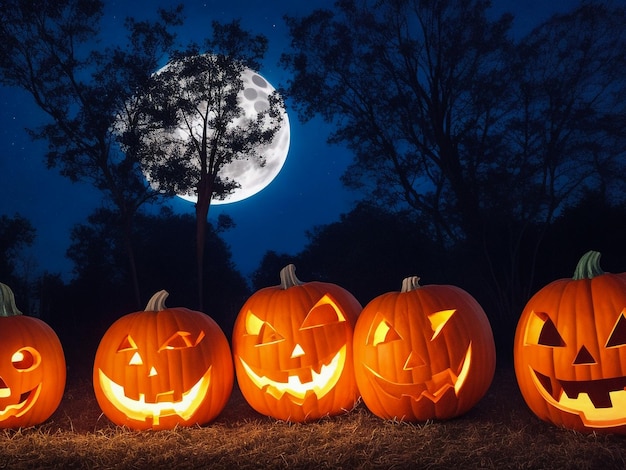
<point>304,350</point>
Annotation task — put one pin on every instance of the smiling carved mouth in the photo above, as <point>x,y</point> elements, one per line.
<point>433,389</point>
<point>595,401</point>
<point>27,400</point>
<point>303,382</point>
<point>141,410</point>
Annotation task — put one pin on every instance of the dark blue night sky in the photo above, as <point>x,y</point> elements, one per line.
<point>307,192</point>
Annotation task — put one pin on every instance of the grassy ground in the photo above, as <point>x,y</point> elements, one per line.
<point>499,432</point>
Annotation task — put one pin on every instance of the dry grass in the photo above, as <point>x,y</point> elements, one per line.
<point>498,433</point>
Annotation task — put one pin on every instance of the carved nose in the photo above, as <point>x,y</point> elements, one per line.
<point>297,351</point>
<point>584,357</point>
<point>414,360</point>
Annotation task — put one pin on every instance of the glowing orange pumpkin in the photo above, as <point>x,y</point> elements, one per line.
<point>163,367</point>
<point>292,346</point>
<point>32,367</point>
<point>570,350</point>
<point>423,353</point>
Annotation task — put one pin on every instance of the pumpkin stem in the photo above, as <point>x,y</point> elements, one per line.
<point>288,277</point>
<point>157,302</point>
<point>410,283</point>
<point>588,267</point>
<point>7,302</point>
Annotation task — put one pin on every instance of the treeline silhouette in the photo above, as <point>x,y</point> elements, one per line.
<point>368,251</point>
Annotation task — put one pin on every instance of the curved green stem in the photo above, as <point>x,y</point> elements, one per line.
<point>588,267</point>
<point>7,302</point>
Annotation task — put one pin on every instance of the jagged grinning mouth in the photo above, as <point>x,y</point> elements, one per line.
<point>320,384</point>
<point>27,400</point>
<point>141,410</point>
<point>432,389</point>
<point>595,401</point>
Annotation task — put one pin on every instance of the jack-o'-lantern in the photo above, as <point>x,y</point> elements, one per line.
<point>163,367</point>
<point>32,366</point>
<point>570,350</point>
<point>426,352</point>
<point>292,347</point>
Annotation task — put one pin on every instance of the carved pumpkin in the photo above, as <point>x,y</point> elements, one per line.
<point>292,346</point>
<point>32,367</point>
<point>163,367</point>
<point>570,350</point>
<point>423,353</point>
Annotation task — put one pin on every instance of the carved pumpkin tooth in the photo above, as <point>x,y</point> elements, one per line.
<point>167,397</point>
<point>136,396</point>
<point>600,399</point>
<point>305,375</point>
<point>441,380</point>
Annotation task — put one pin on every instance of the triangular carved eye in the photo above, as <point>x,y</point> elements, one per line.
<point>382,332</point>
<point>268,335</point>
<point>181,340</point>
<point>549,335</point>
<point>127,344</point>
<point>618,335</point>
<point>438,320</point>
<point>323,313</point>
<point>264,332</point>
<point>541,330</point>
<point>253,324</point>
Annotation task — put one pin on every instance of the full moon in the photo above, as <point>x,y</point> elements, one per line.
<point>251,177</point>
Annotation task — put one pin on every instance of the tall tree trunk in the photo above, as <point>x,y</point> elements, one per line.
<point>205,191</point>
<point>202,211</point>
<point>130,252</point>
